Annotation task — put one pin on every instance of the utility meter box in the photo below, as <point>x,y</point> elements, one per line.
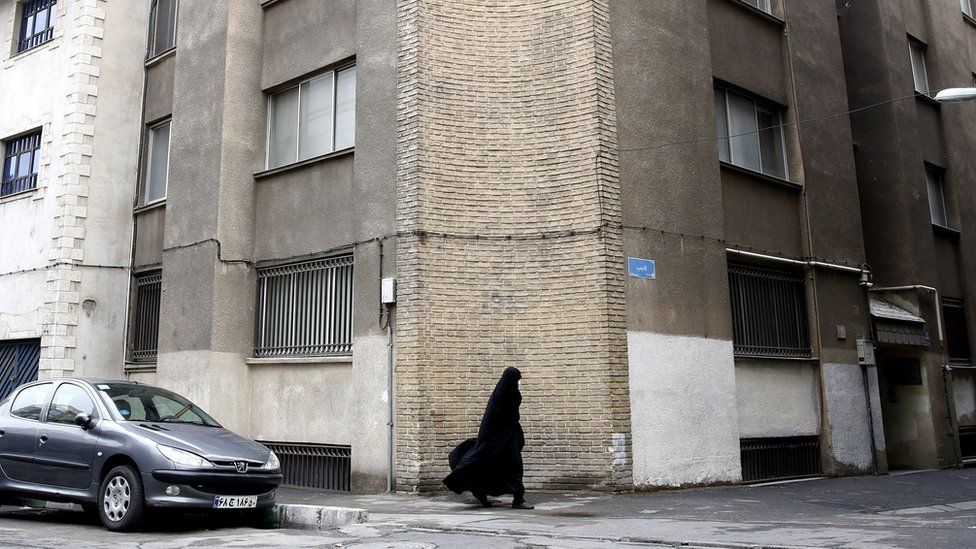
<point>865,352</point>
<point>388,292</point>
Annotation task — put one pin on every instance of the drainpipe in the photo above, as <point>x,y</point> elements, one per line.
<point>389,398</point>
<point>864,270</point>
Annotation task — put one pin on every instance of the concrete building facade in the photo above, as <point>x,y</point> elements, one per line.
<point>69,142</point>
<point>665,214</point>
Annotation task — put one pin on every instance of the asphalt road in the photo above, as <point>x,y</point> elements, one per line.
<point>927,509</point>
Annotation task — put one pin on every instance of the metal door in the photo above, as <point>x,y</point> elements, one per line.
<point>18,363</point>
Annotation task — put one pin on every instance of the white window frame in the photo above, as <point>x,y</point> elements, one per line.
<point>939,174</point>
<point>153,28</point>
<point>298,126</point>
<point>916,52</point>
<point>761,5</point>
<point>149,162</point>
<point>755,109</point>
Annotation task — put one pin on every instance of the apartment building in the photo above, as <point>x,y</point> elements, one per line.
<point>69,136</point>
<point>336,223</point>
<point>915,167</point>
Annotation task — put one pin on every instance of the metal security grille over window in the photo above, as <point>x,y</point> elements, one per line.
<point>145,326</point>
<point>750,133</point>
<point>769,312</point>
<point>21,160</point>
<point>36,23</point>
<point>305,309</point>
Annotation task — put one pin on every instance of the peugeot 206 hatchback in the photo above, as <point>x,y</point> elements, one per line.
<point>123,448</point>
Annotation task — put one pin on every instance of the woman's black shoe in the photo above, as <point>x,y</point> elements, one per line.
<point>485,502</point>
<point>522,505</point>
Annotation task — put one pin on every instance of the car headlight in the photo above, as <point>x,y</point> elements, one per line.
<point>183,459</point>
<point>273,464</point>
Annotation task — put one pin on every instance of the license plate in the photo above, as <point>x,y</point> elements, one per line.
<point>235,502</point>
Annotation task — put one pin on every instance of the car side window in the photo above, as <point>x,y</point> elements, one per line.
<point>69,401</point>
<point>30,402</point>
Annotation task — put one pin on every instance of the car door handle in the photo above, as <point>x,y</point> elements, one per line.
<point>43,438</point>
<point>2,432</point>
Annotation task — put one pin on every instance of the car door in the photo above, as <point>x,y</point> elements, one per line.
<point>65,450</point>
<point>18,432</point>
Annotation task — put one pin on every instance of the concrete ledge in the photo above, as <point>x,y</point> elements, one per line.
<point>313,517</point>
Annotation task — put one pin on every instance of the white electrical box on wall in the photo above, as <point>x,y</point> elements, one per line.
<point>388,292</point>
<point>865,352</point>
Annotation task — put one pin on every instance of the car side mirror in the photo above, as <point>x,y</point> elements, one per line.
<point>84,421</point>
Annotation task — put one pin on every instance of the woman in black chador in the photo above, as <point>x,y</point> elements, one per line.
<point>491,465</point>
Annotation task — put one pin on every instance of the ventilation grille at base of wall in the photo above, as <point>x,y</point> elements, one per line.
<point>323,466</point>
<point>765,459</point>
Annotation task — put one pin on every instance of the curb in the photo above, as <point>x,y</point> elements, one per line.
<point>313,517</point>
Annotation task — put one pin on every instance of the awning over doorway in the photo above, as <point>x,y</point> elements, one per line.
<point>895,325</point>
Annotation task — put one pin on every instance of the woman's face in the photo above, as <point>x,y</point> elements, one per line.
<point>519,384</point>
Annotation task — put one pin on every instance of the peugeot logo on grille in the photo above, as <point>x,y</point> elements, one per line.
<point>241,466</point>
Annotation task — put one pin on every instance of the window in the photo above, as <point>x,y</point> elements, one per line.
<point>769,312</point>
<point>69,401</point>
<point>761,4</point>
<point>162,26</point>
<point>305,309</point>
<point>141,403</point>
<point>967,7</point>
<point>30,402</point>
<point>937,207</point>
<point>750,134</point>
<point>21,161</point>
<point>145,325</point>
<point>36,23</point>
<point>158,166</point>
<point>313,118</point>
<point>916,50</point>
<point>957,332</point>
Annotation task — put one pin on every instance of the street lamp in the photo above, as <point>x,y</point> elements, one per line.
<point>956,95</point>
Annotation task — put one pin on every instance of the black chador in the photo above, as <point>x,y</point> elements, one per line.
<point>491,465</point>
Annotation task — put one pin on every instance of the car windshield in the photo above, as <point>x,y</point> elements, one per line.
<point>144,403</point>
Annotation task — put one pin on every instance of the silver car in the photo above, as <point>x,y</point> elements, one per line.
<point>122,448</point>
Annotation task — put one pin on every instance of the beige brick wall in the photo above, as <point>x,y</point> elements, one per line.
<point>508,195</point>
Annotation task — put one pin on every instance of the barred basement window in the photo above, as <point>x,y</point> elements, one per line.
<point>769,312</point>
<point>36,23</point>
<point>957,332</point>
<point>145,325</point>
<point>305,309</point>
<point>21,161</point>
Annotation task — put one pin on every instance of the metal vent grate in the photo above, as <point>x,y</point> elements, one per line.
<point>325,466</point>
<point>780,458</point>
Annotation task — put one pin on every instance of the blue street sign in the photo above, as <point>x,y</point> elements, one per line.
<point>641,268</point>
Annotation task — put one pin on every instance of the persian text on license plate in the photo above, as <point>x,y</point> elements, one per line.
<point>235,502</point>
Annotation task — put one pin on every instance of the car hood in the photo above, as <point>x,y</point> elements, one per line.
<point>213,443</point>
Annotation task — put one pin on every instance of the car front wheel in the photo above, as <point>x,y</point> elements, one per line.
<point>120,502</point>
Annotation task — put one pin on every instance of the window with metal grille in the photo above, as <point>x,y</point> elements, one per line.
<point>769,312</point>
<point>145,324</point>
<point>305,309</point>
<point>957,332</point>
<point>36,23</point>
<point>21,161</point>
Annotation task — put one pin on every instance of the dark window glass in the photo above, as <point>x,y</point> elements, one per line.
<point>68,402</point>
<point>769,312</point>
<point>957,332</point>
<point>30,402</point>
<point>21,160</point>
<point>36,23</point>
<point>163,27</point>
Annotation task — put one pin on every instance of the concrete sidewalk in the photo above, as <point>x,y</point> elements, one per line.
<point>921,509</point>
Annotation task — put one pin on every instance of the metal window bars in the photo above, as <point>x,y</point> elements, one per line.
<point>21,160</point>
<point>145,336</point>
<point>769,312</point>
<point>305,309</point>
<point>36,23</point>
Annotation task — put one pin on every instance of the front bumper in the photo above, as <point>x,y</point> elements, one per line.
<point>198,488</point>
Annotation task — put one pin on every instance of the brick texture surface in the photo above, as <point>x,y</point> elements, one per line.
<point>508,200</point>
